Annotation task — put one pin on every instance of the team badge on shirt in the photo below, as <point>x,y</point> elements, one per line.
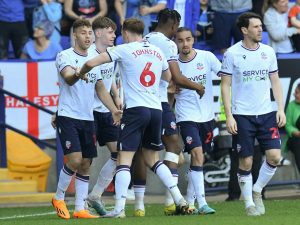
<point>200,66</point>
<point>264,55</point>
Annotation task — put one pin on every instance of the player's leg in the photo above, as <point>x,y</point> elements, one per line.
<point>89,151</point>
<point>190,132</point>
<point>105,177</point>
<point>133,124</point>
<point>243,143</point>
<point>151,145</point>
<point>70,142</point>
<point>170,140</point>
<point>107,134</point>
<point>81,190</point>
<point>269,140</point>
<point>139,183</point>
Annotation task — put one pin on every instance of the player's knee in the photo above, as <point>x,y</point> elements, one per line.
<point>275,160</point>
<point>273,157</point>
<point>85,166</point>
<point>74,164</point>
<point>246,163</point>
<point>172,144</point>
<point>197,156</point>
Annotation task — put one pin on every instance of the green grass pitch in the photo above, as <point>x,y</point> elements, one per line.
<point>278,212</point>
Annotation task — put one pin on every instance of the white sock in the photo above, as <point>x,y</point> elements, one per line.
<point>266,173</point>
<point>190,192</point>
<point>139,192</point>
<point>198,182</point>
<point>104,179</point>
<point>166,177</point>
<point>65,177</point>
<point>81,190</point>
<point>122,182</point>
<point>245,182</point>
<point>168,197</point>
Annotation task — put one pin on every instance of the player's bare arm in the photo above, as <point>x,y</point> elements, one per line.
<point>107,100</point>
<point>116,97</point>
<point>96,61</point>
<point>70,76</point>
<point>277,92</point>
<point>166,75</point>
<point>225,89</point>
<point>183,81</point>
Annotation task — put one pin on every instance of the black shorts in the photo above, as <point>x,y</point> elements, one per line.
<point>262,127</point>
<point>197,134</point>
<point>169,126</point>
<point>140,126</point>
<point>106,131</point>
<point>77,136</point>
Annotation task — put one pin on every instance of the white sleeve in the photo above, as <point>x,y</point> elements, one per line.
<point>116,53</point>
<point>214,63</point>
<point>227,64</point>
<point>169,48</point>
<point>165,64</point>
<point>62,61</point>
<point>273,64</point>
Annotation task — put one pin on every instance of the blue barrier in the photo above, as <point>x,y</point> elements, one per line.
<point>2,127</point>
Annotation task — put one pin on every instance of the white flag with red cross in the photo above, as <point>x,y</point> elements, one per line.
<point>37,82</point>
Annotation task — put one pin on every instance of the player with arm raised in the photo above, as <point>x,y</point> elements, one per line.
<point>168,22</point>
<point>75,120</point>
<point>143,66</point>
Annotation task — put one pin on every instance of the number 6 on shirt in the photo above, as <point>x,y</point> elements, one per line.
<point>147,77</point>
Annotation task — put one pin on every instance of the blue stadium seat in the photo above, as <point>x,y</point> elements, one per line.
<point>65,42</point>
<point>265,37</point>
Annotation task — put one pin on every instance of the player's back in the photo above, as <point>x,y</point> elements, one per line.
<point>169,49</point>
<point>167,46</point>
<point>141,64</point>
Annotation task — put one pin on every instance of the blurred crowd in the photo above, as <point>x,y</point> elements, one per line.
<point>39,29</point>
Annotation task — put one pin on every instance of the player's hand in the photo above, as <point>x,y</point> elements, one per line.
<point>178,89</point>
<point>118,102</point>
<point>117,115</point>
<point>231,125</point>
<point>53,120</point>
<point>80,76</point>
<point>280,118</point>
<point>201,90</point>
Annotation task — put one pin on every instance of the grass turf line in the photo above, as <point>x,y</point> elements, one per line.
<point>283,212</point>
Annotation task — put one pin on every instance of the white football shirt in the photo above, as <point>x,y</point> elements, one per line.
<point>141,64</point>
<point>169,49</point>
<point>75,101</point>
<point>189,106</point>
<point>250,70</point>
<point>106,74</point>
